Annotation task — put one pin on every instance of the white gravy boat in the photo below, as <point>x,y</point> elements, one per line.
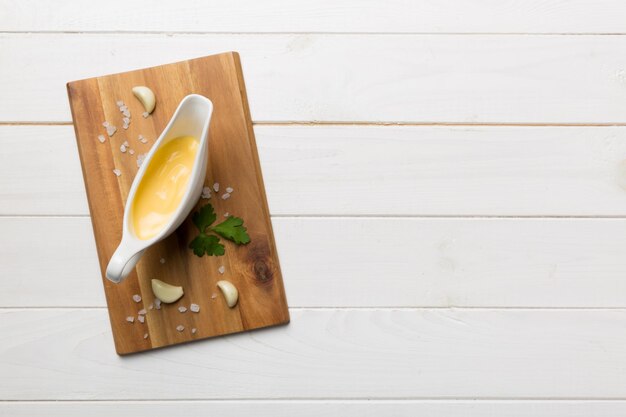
<point>191,118</point>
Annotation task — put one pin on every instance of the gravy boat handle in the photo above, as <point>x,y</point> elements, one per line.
<point>122,262</point>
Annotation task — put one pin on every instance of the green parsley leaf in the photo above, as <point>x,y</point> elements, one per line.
<point>232,229</point>
<point>208,244</point>
<point>204,218</point>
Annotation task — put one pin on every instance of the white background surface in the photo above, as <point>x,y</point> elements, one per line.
<point>447,182</point>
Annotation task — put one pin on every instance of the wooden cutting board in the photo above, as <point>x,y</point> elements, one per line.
<point>233,162</point>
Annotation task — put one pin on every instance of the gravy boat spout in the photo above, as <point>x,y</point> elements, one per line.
<point>190,121</point>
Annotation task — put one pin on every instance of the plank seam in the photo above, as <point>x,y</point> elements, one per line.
<point>297,33</point>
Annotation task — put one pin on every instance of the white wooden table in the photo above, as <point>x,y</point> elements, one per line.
<point>448,188</point>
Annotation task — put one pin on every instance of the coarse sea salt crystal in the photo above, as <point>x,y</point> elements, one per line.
<point>140,159</point>
<point>131,151</point>
<point>141,319</point>
<point>106,124</point>
<point>213,296</point>
<point>229,190</point>
<point>151,306</point>
<point>101,138</point>
<point>126,120</point>
<point>111,130</point>
<point>182,309</point>
<point>194,308</point>
<point>123,148</point>
<point>126,143</point>
<point>225,196</point>
<point>142,312</point>
<point>157,303</point>
<point>136,298</point>
<point>117,172</point>
<point>130,319</point>
<point>126,113</point>
<point>221,269</point>
<point>194,330</point>
<point>143,140</point>
<point>180,327</point>
<point>206,193</point>
<point>119,103</point>
<point>145,335</point>
<point>216,186</point>
<point>145,114</point>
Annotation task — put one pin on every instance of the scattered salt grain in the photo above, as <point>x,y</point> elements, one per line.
<point>225,196</point>
<point>130,319</point>
<point>142,312</point>
<point>140,159</point>
<point>126,112</point>
<point>143,140</point>
<point>206,193</point>
<point>194,308</point>
<point>151,307</point>
<point>136,298</point>
<point>145,114</point>
<point>141,319</point>
<point>111,130</point>
<point>221,269</point>
<point>226,214</point>
<point>123,148</point>
<point>162,260</point>
<point>213,296</point>
<point>119,103</point>
<point>117,172</point>
<point>126,143</point>
<point>182,309</point>
<point>194,330</point>
<point>122,106</point>
<point>145,335</point>
<point>131,151</point>
<point>157,303</point>
<point>106,124</point>
<point>101,138</point>
<point>180,327</point>
<point>229,190</point>
<point>216,186</point>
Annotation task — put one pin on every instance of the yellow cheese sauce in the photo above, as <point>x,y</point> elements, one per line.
<point>163,186</point>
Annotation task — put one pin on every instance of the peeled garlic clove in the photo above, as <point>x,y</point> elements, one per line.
<point>145,96</point>
<point>165,292</point>
<point>230,292</point>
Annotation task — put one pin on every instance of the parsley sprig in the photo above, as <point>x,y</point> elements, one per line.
<point>205,243</point>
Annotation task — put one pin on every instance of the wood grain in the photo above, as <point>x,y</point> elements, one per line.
<point>410,354</point>
<point>327,170</point>
<point>320,408</point>
<point>468,262</point>
<point>272,16</point>
<point>254,268</point>
<point>417,79</point>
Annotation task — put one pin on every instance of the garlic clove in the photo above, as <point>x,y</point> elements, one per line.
<point>146,97</point>
<point>231,295</point>
<point>165,292</point>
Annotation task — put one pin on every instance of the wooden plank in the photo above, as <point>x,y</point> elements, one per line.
<point>319,408</point>
<point>433,354</point>
<point>253,268</point>
<point>327,170</point>
<point>393,16</point>
<point>416,79</point>
<point>367,262</point>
